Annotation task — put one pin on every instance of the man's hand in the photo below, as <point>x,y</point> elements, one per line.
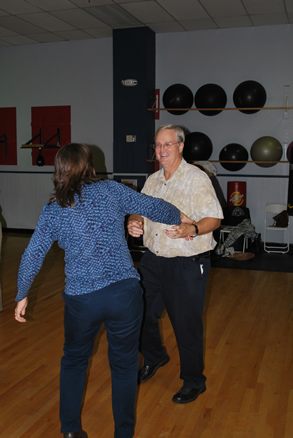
<point>186,229</point>
<point>135,225</point>
<point>20,310</point>
<point>135,228</point>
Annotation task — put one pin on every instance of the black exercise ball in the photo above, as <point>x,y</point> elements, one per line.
<point>233,152</point>
<point>178,96</point>
<point>197,147</point>
<point>210,96</point>
<point>249,94</point>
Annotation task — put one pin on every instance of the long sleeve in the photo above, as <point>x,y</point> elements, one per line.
<point>33,257</point>
<point>154,209</point>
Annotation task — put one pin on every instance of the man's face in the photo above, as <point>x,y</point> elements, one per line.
<point>168,150</point>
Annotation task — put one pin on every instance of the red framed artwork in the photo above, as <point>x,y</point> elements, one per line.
<point>51,126</point>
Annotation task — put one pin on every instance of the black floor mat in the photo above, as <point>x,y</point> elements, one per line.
<point>262,261</point>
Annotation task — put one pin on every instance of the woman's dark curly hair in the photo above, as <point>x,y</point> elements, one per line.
<point>74,166</point>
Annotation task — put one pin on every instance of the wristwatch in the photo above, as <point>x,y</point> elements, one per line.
<point>196,230</point>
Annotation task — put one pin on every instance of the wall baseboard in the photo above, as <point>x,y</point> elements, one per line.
<point>17,230</point>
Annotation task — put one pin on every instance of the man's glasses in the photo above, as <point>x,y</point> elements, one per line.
<point>164,146</point>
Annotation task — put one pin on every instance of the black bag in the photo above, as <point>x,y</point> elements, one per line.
<point>256,245</point>
<point>281,219</point>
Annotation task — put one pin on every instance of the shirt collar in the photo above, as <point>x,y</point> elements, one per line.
<point>178,172</point>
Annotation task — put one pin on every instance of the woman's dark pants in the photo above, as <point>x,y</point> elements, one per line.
<point>120,307</point>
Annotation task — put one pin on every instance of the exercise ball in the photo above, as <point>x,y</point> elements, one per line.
<point>178,96</point>
<point>289,148</point>
<point>197,147</point>
<point>266,149</point>
<point>210,96</point>
<point>233,152</point>
<point>249,94</point>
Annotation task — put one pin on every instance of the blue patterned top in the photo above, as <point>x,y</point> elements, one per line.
<point>92,235</point>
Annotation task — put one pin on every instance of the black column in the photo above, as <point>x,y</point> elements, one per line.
<point>290,186</point>
<point>133,58</point>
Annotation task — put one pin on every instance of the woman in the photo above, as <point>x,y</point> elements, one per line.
<point>86,217</point>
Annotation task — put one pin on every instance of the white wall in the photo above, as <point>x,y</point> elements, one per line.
<point>78,74</point>
<point>227,58</point>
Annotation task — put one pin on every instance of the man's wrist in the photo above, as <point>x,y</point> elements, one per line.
<point>196,230</point>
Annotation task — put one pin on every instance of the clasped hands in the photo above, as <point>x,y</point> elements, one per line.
<point>184,230</point>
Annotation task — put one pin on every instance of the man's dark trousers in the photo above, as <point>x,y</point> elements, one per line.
<point>179,284</point>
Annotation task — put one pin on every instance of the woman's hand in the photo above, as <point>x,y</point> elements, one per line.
<point>185,219</point>
<point>181,231</point>
<point>20,310</point>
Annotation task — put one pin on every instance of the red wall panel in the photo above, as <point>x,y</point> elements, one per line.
<point>48,119</point>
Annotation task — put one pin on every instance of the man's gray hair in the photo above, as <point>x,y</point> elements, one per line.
<point>178,131</point>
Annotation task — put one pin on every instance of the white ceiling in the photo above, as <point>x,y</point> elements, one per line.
<point>42,21</point>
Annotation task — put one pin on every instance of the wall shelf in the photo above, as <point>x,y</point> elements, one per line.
<point>232,161</point>
<point>250,161</point>
<point>223,109</point>
<point>46,145</point>
<point>228,109</point>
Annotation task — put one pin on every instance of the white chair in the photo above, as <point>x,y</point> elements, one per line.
<point>280,247</point>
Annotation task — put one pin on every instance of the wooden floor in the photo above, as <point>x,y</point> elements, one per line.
<point>248,354</point>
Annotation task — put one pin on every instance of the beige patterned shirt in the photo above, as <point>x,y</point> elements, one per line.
<point>191,191</point>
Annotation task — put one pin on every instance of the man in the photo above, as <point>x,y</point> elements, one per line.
<point>175,267</point>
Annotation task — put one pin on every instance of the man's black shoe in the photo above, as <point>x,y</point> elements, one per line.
<point>187,394</point>
<point>148,371</point>
<point>80,434</point>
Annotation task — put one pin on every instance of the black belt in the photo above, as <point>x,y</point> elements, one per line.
<point>203,255</point>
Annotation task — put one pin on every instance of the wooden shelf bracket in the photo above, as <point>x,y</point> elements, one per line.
<point>43,145</point>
